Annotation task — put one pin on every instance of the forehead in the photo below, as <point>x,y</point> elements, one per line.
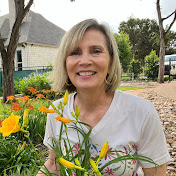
<point>93,36</point>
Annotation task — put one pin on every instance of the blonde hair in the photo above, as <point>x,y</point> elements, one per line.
<point>70,42</point>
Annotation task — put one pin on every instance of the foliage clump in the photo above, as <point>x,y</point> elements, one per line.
<point>151,65</point>
<point>125,52</point>
<point>36,80</point>
<point>135,68</point>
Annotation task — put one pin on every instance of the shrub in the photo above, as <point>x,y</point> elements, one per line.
<point>168,78</point>
<point>38,81</point>
<point>135,67</point>
<point>151,65</point>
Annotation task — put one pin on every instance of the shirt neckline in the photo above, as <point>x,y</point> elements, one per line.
<point>104,119</point>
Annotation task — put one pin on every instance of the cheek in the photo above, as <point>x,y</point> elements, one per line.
<point>69,66</point>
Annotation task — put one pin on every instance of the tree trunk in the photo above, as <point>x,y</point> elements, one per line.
<point>8,82</point>
<point>8,69</point>
<point>162,45</point>
<point>8,54</point>
<point>161,62</point>
<point>163,34</point>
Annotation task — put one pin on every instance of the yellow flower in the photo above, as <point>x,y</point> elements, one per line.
<point>63,120</point>
<point>25,118</point>
<point>70,165</point>
<point>65,98</point>
<point>95,168</point>
<point>103,152</point>
<point>67,163</point>
<point>10,125</point>
<point>77,162</point>
<point>46,110</point>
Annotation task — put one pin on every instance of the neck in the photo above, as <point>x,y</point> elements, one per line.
<point>88,100</point>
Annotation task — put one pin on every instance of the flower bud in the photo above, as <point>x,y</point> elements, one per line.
<point>103,150</point>
<point>77,111</point>
<point>25,118</point>
<point>66,163</point>
<point>65,98</point>
<point>95,168</point>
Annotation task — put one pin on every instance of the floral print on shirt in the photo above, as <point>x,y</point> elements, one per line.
<point>126,167</point>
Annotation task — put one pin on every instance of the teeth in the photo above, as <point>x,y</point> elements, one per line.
<point>86,73</point>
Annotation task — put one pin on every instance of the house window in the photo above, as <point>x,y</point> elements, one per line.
<point>19,60</point>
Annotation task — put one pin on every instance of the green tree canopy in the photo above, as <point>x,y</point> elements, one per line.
<point>125,53</point>
<point>141,32</point>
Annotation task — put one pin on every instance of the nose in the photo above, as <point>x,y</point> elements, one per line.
<point>85,59</point>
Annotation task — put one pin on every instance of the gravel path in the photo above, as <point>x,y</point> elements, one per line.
<point>163,97</point>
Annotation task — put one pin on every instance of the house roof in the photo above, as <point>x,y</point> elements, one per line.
<point>34,29</point>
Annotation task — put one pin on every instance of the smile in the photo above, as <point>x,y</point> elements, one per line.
<point>86,73</point>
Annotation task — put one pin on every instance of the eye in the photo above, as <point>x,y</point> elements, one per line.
<point>96,51</point>
<point>75,53</point>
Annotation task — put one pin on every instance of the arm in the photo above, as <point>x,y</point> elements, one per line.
<point>50,164</point>
<point>155,171</point>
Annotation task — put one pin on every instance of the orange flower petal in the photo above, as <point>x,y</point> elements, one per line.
<point>10,98</point>
<point>46,110</point>
<point>63,120</point>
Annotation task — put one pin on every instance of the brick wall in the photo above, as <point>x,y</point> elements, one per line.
<point>40,55</point>
<point>36,55</point>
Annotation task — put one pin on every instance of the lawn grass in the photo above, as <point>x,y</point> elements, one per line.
<point>130,88</point>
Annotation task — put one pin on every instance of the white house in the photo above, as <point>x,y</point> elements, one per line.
<point>39,39</point>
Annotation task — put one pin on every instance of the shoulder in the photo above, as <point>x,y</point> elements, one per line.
<point>132,100</point>
<point>136,106</point>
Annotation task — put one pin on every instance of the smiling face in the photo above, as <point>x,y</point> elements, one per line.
<point>87,66</point>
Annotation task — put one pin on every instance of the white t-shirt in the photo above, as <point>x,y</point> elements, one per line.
<point>131,125</point>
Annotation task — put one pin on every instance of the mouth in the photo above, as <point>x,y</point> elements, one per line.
<point>86,73</point>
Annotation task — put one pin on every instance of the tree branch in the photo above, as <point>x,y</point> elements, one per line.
<point>172,36</point>
<point>169,15</point>
<point>21,13</point>
<point>171,24</point>
<point>26,9</point>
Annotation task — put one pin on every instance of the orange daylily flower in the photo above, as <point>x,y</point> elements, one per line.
<point>46,110</point>
<point>29,106</point>
<point>31,89</point>
<point>45,91</point>
<point>10,98</point>
<point>39,96</point>
<point>16,107</point>
<point>24,99</point>
<point>63,120</point>
<point>10,125</point>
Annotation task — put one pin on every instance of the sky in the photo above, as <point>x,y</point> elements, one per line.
<point>65,14</point>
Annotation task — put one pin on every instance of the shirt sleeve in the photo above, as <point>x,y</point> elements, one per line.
<point>152,141</point>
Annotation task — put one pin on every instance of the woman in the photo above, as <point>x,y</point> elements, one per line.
<point>88,64</point>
